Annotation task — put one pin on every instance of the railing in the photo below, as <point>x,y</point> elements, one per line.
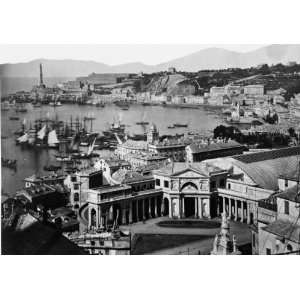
<point>268,205</point>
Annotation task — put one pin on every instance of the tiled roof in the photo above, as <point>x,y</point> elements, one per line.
<point>200,167</point>
<point>264,168</point>
<point>215,146</point>
<point>291,194</point>
<point>284,229</point>
<point>125,176</point>
<point>267,155</point>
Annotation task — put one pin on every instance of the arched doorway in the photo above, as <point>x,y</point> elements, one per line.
<point>93,218</point>
<point>166,207</point>
<point>189,207</point>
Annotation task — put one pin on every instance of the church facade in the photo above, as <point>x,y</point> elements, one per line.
<point>190,190</point>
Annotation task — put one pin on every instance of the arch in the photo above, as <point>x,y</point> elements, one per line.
<point>166,207</point>
<point>190,186</point>
<point>289,248</point>
<point>93,217</point>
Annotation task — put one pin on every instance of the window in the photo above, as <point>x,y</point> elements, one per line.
<point>222,183</point>
<point>229,186</point>
<point>268,251</point>
<point>289,248</point>
<point>253,240</point>
<point>76,197</point>
<point>157,182</point>
<point>286,183</point>
<point>213,185</point>
<point>76,186</point>
<point>73,178</point>
<point>166,184</point>
<point>286,207</point>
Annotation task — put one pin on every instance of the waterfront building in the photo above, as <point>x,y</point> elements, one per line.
<point>110,165</point>
<point>223,245</point>
<point>190,190</point>
<point>52,179</point>
<point>130,147</point>
<point>254,90</point>
<point>217,91</point>
<point>200,152</point>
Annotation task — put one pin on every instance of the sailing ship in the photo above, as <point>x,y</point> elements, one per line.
<point>53,141</point>
<point>23,139</point>
<point>87,154</point>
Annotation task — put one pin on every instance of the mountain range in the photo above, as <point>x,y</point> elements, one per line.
<point>210,58</point>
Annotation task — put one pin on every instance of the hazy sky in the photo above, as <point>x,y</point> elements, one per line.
<point>109,54</point>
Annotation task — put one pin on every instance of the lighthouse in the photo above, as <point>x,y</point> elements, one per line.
<point>41,77</point>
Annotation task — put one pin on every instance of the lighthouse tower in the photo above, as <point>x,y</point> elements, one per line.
<point>41,77</point>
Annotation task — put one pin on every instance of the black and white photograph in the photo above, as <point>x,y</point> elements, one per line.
<point>163,134</point>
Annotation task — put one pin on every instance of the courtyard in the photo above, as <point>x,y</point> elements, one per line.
<point>164,236</point>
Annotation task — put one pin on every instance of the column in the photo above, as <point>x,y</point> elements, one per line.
<point>130,212</point>
<point>149,208</point>
<point>196,208</point>
<point>248,213</point>
<point>224,205</point>
<point>155,207</point>
<point>200,212</point>
<point>235,210</point>
<point>137,210</point>
<point>183,207</point>
<point>143,208</point>
<point>99,218</point>
<point>162,207</point>
<point>229,207</point>
<point>243,209</point>
<point>170,208</point>
<point>124,215</point>
<point>218,206</point>
<point>111,215</point>
<point>90,217</point>
<point>180,208</point>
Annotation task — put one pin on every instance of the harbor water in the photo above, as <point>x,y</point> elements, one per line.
<point>32,161</point>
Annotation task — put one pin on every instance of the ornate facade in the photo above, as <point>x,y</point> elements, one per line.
<point>189,191</point>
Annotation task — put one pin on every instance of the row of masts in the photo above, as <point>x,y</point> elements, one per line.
<point>55,130</point>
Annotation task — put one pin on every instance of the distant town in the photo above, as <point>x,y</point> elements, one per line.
<point>228,187</point>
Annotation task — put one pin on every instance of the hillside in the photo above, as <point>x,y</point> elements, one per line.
<point>210,58</point>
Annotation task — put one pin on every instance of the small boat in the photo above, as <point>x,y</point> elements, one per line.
<point>142,123</point>
<point>36,105</point>
<point>180,125</point>
<point>55,103</point>
<point>100,104</point>
<point>171,127</point>
<point>63,157</point>
<point>125,108</point>
<point>9,163</point>
<point>52,168</point>
<point>146,104</point>
<point>14,118</point>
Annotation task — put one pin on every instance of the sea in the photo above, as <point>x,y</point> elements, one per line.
<point>32,161</point>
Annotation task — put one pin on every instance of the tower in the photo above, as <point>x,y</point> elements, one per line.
<point>41,76</point>
<point>153,134</point>
<point>223,245</point>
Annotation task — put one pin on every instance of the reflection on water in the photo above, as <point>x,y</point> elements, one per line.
<point>32,161</point>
